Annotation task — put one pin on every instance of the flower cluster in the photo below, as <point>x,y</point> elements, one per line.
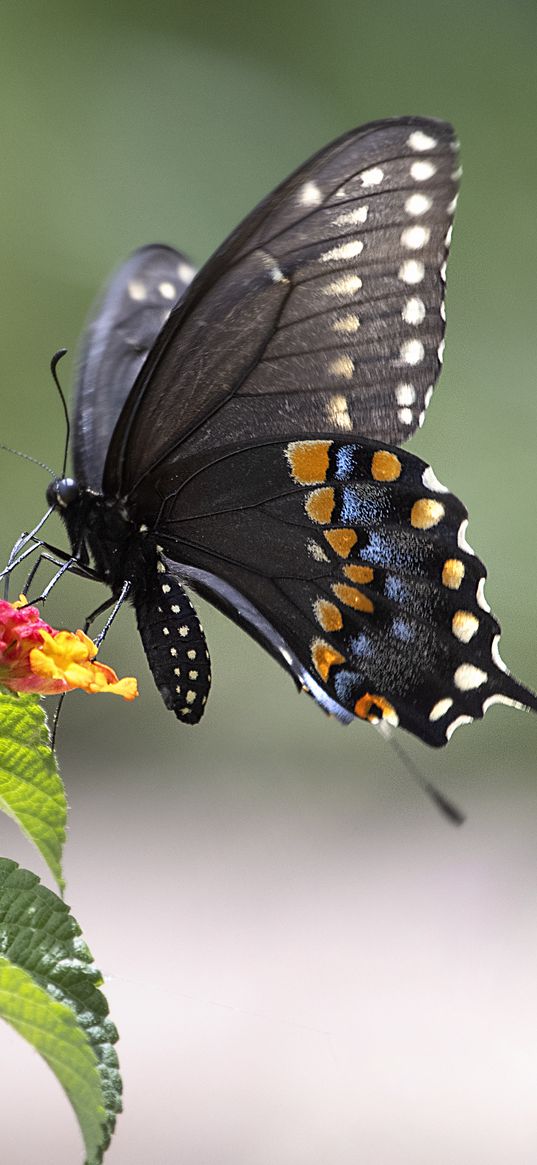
<point>35,658</point>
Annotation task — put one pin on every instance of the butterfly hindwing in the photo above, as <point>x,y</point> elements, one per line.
<point>324,308</point>
<point>123,327</point>
<point>348,560</point>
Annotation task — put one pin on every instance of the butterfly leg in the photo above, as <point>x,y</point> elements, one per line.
<point>117,604</point>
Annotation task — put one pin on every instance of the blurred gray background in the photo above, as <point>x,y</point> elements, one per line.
<point>307,965</point>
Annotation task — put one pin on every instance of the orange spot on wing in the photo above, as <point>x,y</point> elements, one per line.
<point>328,615</point>
<point>359,574</point>
<point>342,541</point>
<point>385,466</point>
<point>425,513</point>
<point>324,657</point>
<point>453,573</point>
<point>308,461</point>
<point>375,708</point>
<point>353,598</point>
<point>320,505</point>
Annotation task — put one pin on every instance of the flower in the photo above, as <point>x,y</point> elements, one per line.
<point>36,658</point>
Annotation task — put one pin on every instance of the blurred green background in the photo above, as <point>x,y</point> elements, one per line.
<point>125,123</point>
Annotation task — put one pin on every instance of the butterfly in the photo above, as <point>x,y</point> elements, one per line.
<point>237,432</point>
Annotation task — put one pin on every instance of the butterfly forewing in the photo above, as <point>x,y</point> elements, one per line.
<point>123,327</point>
<point>325,309</point>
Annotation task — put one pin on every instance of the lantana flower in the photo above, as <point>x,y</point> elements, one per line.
<point>36,658</point>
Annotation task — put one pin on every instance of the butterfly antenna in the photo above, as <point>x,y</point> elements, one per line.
<point>53,366</point>
<point>17,452</point>
<point>448,809</point>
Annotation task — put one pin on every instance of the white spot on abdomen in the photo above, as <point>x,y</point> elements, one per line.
<point>137,290</point>
<point>186,272</point>
<point>167,290</point>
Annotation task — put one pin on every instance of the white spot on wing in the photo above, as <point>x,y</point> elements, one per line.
<point>412,352</point>
<point>457,724</point>
<point>316,551</point>
<point>413,311</point>
<point>352,217</point>
<point>346,285</point>
<point>310,195</point>
<point>342,366</point>
<point>431,481</point>
<point>461,540</point>
<point>421,171</point>
<point>347,324</point>
<point>480,596</point>
<point>440,351</point>
<point>440,709</point>
<point>348,250</point>
<point>428,396</point>
<point>417,204</point>
<point>372,177</point>
<point>498,698</point>
<point>411,271</point>
<point>405,416</point>
<point>405,394</point>
<point>338,412</point>
<point>416,237</point>
<point>468,677</point>
<point>420,141</point>
<point>464,626</point>
<point>495,653</point>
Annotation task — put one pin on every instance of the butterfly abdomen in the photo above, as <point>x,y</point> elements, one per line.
<point>174,643</point>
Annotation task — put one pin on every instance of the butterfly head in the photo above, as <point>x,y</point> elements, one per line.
<point>62,492</point>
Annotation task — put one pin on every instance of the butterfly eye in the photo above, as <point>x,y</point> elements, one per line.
<point>62,492</point>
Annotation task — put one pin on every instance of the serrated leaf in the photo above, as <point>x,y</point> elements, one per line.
<point>49,992</point>
<point>31,789</point>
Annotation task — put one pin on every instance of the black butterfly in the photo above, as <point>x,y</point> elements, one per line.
<point>245,445</point>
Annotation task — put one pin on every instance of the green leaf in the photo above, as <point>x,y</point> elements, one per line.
<point>49,992</point>
<point>31,789</point>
